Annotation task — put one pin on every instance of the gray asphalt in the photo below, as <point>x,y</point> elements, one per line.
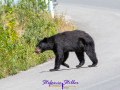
<point>103,24</point>
<point>112,4</point>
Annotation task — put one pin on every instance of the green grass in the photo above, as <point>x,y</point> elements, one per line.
<point>20,26</point>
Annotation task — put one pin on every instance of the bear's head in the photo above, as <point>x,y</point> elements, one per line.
<point>42,45</point>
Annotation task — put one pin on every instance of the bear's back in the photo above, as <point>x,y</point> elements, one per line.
<point>72,35</point>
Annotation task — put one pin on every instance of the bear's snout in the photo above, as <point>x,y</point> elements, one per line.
<point>38,51</point>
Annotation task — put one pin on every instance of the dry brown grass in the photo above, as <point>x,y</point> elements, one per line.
<point>64,24</point>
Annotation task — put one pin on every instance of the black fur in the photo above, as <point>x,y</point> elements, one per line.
<point>62,43</point>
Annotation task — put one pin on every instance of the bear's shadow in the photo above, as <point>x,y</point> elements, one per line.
<point>62,69</point>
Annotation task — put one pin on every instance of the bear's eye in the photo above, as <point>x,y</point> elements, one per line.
<point>40,45</point>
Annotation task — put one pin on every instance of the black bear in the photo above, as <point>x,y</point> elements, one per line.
<point>63,43</point>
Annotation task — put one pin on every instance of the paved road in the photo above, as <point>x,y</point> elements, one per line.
<point>104,26</point>
<point>113,4</point>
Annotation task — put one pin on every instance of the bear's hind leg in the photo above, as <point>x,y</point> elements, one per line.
<point>90,51</point>
<point>66,54</point>
<point>80,56</point>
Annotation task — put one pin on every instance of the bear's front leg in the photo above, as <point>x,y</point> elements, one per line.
<point>57,64</point>
<point>58,60</point>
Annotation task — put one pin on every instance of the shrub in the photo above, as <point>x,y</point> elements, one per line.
<point>20,26</point>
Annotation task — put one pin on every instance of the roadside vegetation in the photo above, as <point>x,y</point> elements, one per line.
<point>20,26</point>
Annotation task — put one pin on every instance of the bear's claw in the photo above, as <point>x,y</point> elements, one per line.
<point>78,66</point>
<point>53,70</point>
<point>66,65</point>
<point>91,65</point>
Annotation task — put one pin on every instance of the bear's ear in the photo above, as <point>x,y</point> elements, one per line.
<point>45,40</point>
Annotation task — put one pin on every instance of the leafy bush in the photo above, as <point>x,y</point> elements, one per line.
<point>20,26</point>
